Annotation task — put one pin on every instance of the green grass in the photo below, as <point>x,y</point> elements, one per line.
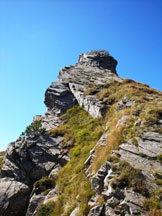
<point>46,210</point>
<point>130,177</point>
<point>44,184</point>
<point>151,203</point>
<point>81,132</point>
<point>159,158</point>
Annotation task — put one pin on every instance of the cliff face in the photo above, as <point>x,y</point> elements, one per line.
<point>101,152</point>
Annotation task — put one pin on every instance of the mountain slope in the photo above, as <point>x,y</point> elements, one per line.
<point>101,152</point>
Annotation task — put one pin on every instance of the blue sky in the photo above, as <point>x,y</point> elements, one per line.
<point>38,37</point>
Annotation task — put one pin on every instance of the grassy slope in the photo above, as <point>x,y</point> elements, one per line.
<point>81,132</point>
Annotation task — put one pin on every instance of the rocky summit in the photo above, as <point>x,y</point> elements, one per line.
<point>97,151</point>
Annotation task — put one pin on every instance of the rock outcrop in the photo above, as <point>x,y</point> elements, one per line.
<point>131,141</point>
<point>93,68</point>
<point>26,161</point>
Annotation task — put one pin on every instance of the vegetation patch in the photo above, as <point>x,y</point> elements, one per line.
<point>44,184</point>
<point>46,210</point>
<point>35,128</point>
<point>158,176</point>
<point>130,177</point>
<point>159,158</point>
<point>81,132</point>
<point>2,154</point>
<point>153,204</point>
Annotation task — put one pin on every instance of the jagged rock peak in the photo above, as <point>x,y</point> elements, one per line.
<point>98,58</point>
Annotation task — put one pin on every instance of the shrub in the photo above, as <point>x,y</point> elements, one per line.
<point>35,128</point>
<point>44,184</point>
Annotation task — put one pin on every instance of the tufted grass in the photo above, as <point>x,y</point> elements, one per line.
<point>43,184</point>
<point>46,210</point>
<point>130,177</point>
<point>81,132</point>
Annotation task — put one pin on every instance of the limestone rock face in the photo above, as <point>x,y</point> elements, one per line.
<point>58,98</point>
<point>27,160</point>
<point>30,158</point>
<point>97,210</point>
<point>93,68</point>
<point>100,58</point>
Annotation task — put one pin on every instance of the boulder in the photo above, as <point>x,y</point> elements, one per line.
<point>14,197</point>
<point>34,204</point>
<point>33,157</point>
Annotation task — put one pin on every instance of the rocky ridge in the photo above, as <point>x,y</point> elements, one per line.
<point>92,83</point>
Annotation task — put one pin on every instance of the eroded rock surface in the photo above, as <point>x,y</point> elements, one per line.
<point>122,200</point>
<point>14,197</point>
<point>27,160</point>
<point>30,158</point>
<point>93,68</point>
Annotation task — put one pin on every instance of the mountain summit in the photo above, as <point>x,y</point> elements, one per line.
<point>97,151</point>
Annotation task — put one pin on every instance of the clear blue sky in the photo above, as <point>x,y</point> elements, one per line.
<point>38,37</point>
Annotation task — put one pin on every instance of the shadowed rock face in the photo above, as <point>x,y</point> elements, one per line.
<point>27,160</point>
<point>58,97</point>
<point>30,158</point>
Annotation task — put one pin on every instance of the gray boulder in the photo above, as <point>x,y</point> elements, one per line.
<point>34,204</point>
<point>33,157</point>
<point>14,197</point>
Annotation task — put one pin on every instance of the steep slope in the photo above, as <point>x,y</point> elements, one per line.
<point>97,151</point>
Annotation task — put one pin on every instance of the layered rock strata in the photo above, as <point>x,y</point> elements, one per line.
<point>31,157</point>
